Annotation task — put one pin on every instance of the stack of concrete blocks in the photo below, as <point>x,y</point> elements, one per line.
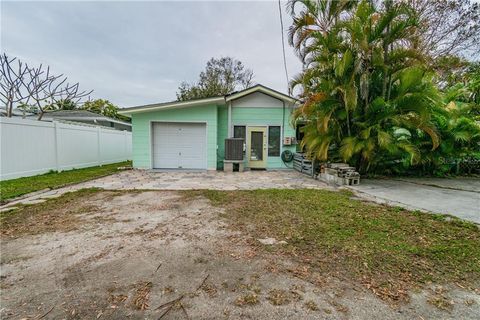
<point>228,165</point>
<point>340,174</point>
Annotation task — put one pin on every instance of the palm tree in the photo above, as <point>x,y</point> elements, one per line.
<point>366,95</point>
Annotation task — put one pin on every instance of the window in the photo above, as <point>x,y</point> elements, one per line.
<point>274,141</point>
<point>239,132</point>
<point>256,146</point>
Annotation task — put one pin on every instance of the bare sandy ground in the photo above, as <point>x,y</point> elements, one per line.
<point>157,254</point>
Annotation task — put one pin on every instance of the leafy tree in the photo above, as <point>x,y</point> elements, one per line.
<point>450,70</point>
<point>369,97</point>
<point>104,107</point>
<point>461,85</point>
<point>221,76</point>
<point>448,36</point>
<point>473,86</point>
<point>62,104</point>
<point>448,27</point>
<point>26,108</point>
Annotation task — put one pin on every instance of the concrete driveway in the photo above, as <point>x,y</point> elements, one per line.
<point>213,180</point>
<point>183,180</point>
<point>459,197</point>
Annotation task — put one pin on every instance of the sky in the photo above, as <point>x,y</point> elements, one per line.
<point>135,53</point>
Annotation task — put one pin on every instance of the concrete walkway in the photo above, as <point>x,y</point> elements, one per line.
<point>215,180</point>
<point>459,197</point>
<point>184,180</point>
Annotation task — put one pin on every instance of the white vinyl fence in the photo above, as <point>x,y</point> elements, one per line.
<point>30,147</point>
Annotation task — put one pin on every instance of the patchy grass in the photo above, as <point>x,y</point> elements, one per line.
<point>248,299</point>
<point>311,305</point>
<point>441,301</point>
<point>210,289</point>
<point>17,187</point>
<point>61,214</point>
<point>278,297</point>
<point>142,296</point>
<point>389,250</point>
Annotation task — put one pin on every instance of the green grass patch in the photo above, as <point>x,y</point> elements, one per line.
<point>17,187</point>
<point>388,249</point>
<point>53,215</point>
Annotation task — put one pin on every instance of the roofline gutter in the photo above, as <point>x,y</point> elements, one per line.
<point>223,100</point>
<point>89,119</point>
<point>130,111</point>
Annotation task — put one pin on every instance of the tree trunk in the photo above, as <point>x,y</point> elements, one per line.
<point>9,108</point>
<point>40,112</point>
<point>389,87</point>
<point>348,123</point>
<point>385,56</point>
<point>367,92</point>
<point>385,70</point>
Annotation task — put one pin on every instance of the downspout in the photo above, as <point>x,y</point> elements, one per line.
<point>229,121</point>
<point>283,120</point>
<point>283,135</point>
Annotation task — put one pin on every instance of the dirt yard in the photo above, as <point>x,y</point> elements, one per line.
<point>162,255</point>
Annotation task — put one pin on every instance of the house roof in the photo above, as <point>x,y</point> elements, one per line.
<point>171,104</point>
<point>216,100</point>
<point>260,88</point>
<point>15,112</point>
<point>80,115</point>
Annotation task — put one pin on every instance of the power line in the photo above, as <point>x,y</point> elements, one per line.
<point>283,46</point>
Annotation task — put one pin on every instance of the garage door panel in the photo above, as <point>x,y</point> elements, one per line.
<point>179,145</point>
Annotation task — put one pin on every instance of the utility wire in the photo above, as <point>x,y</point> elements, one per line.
<point>283,47</point>
<point>286,72</point>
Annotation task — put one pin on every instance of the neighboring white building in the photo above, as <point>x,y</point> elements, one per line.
<point>89,117</point>
<point>82,116</point>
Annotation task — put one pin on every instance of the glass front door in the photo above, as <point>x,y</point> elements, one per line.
<point>257,147</point>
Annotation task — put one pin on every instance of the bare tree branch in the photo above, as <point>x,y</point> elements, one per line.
<point>22,84</point>
<point>11,82</point>
<point>448,27</point>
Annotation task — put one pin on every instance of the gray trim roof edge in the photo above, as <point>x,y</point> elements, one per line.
<point>127,111</point>
<point>164,104</point>
<point>66,115</point>
<point>261,86</point>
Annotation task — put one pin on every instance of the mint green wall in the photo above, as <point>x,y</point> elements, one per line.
<point>141,130</point>
<point>222,134</point>
<point>216,118</point>
<point>258,116</point>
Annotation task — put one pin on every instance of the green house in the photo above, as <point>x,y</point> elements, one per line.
<point>191,134</point>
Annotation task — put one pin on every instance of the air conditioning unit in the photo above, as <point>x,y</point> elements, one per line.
<point>234,149</point>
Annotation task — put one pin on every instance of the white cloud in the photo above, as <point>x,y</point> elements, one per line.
<point>134,53</point>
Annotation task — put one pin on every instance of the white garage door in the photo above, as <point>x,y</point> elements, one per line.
<point>179,145</point>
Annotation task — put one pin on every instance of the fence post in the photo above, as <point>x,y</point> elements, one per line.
<point>125,155</point>
<point>99,155</point>
<point>55,143</point>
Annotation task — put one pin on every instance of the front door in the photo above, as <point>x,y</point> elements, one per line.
<point>257,147</point>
